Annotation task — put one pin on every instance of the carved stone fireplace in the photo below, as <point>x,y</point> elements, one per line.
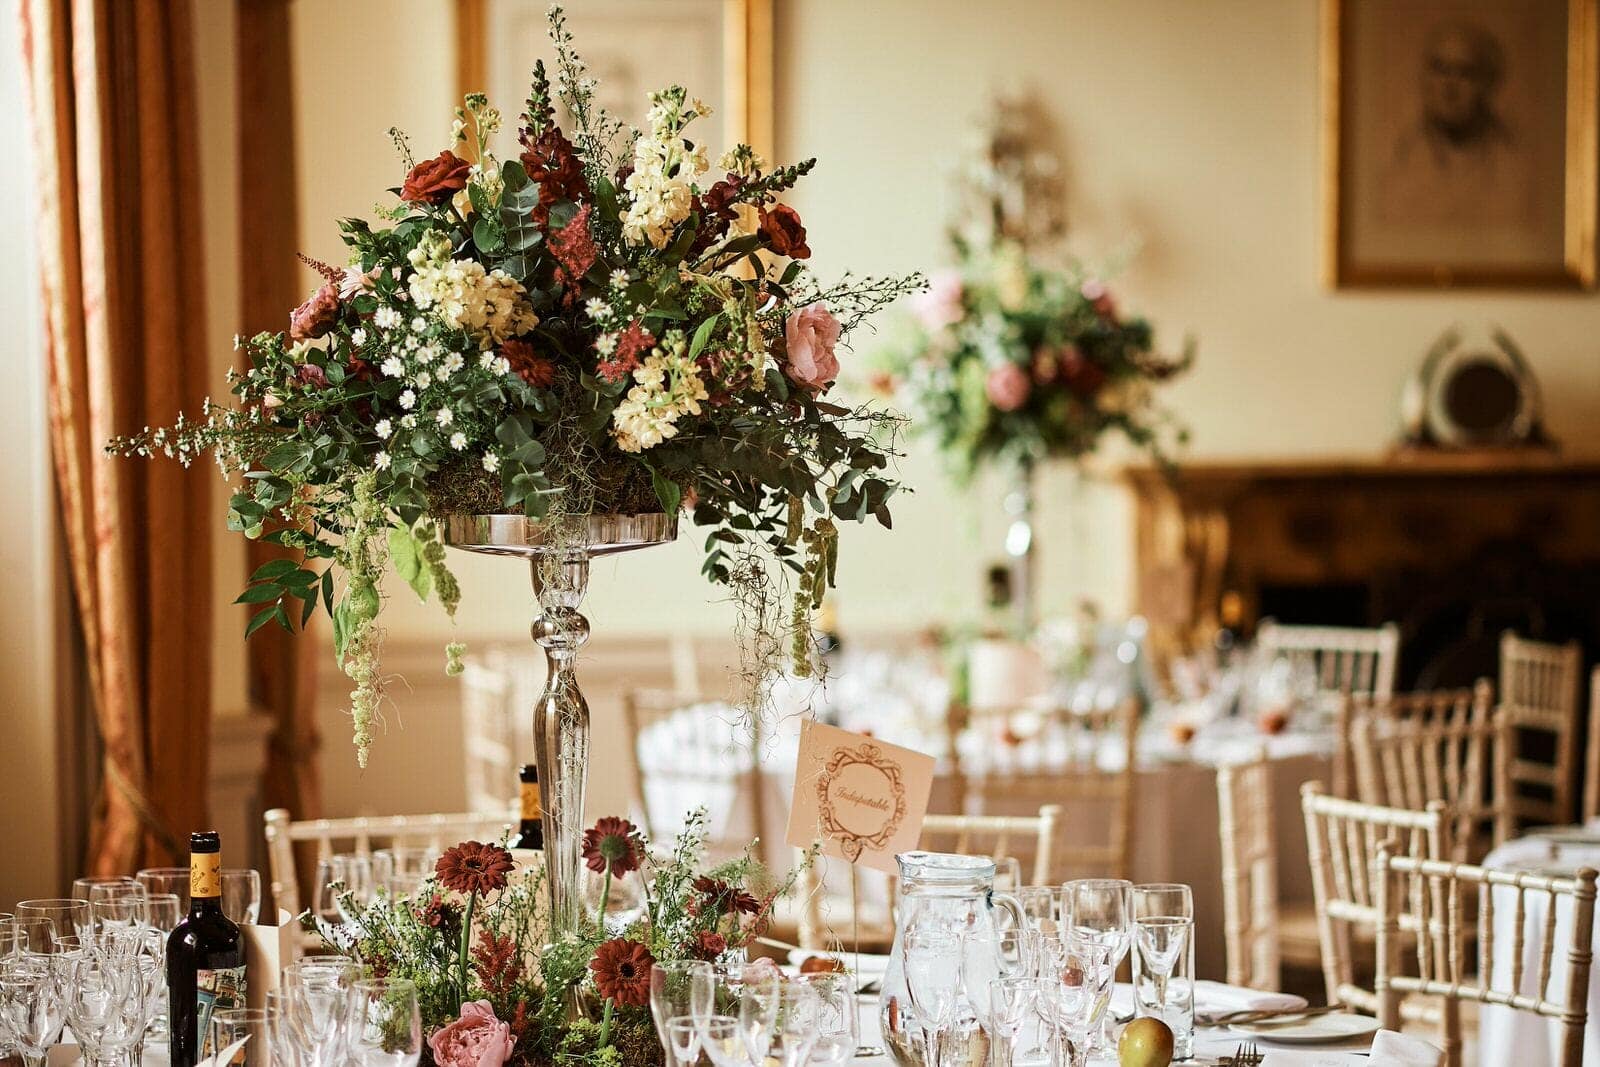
<point>1455,547</point>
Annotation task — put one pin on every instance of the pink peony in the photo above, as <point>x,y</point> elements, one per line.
<point>477,1039</point>
<point>809,336</point>
<point>316,316</point>
<point>940,306</point>
<point>1008,387</point>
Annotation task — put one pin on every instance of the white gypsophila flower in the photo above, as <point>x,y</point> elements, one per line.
<point>423,380</point>
<point>491,462</point>
<point>383,429</point>
<point>445,417</point>
<point>386,318</point>
<point>597,309</point>
<point>393,367</point>
<point>381,461</point>
<point>458,441</point>
<point>605,344</point>
<point>408,422</point>
<point>358,336</point>
<point>486,360</point>
<point>408,400</point>
<point>619,279</point>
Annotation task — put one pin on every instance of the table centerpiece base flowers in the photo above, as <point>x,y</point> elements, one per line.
<point>495,987</point>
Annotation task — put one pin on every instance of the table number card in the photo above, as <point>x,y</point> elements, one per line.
<point>862,798</point>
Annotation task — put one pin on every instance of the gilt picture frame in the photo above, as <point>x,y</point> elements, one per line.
<point>721,51</point>
<point>1460,143</point>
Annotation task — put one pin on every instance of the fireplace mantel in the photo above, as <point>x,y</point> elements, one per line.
<point>1383,525</point>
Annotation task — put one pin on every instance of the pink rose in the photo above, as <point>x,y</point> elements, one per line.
<point>316,316</point>
<point>940,306</point>
<point>477,1039</point>
<point>1008,387</point>
<point>809,336</point>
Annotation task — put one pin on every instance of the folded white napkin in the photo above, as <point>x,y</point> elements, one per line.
<point>1213,998</point>
<point>1399,1050</point>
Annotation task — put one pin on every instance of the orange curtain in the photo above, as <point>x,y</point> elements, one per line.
<point>112,102</point>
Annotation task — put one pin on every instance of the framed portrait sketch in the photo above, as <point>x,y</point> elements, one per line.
<point>719,50</point>
<point>1460,142</point>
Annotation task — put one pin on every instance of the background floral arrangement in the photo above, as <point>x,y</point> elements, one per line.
<point>472,940</point>
<point>603,324</point>
<point>1014,362</point>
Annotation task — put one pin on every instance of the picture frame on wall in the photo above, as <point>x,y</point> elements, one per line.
<point>1460,142</point>
<point>719,50</point>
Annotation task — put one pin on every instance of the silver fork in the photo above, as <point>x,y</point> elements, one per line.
<point>1248,1055</point>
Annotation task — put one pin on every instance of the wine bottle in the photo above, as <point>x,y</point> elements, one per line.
<point>530,831</point>
<point>205,957</point>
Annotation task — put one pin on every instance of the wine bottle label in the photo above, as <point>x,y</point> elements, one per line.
<point>532,803</point>
<point>216,990</point>
<point>205,874</point>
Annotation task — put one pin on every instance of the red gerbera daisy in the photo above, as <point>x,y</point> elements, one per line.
<point>621,970</point>
<point>613,843</point>
<point>474,867</point>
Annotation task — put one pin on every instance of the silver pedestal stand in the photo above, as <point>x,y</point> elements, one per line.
<point>560,550</point>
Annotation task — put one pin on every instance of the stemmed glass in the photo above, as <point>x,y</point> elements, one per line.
<point>342,878</point>
<point>933,982</point>
<point>402,869</point>
<point>173,880</point>
<point>253,1027</point>
<point>70,916</point>
<point>31,1012</point>
<point>1077,991</point>
<point>84,888</point>
<point>758,1014</point>
<point>721,1038</point>
<point>682,1039</point>
<point>1100,910</point>
<point>241,895</point>
<point>683,988</point>
<point>1039,905</point>
<point>1163,971</point>
<point>1011,1001</point>
<point>34,936</point>
<point>795,1030</point>
<point>104,1001</point>
<point>318,996</point>
<point>387,1030</point>
<point>838,1028</point>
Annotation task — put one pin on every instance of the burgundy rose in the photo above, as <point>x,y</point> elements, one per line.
<point>316,316</point>
<point>309,374</point>
<point>782,228</point>
<point>433,181</point>
<point>708,945</point>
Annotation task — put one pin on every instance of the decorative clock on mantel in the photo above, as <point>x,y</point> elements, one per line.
<point>1473,394</point>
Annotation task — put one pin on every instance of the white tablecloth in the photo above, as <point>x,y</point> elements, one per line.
<point>1519,1037</point>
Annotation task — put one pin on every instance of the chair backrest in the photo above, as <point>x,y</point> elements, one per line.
<point>686,752</point>
<point>1427,705</point>
<point>1249,873</point>
<point>1451,746</point>
<point>1342,839</point>
<point>1539,684</point>
<point>1346,659</point>
<point>1096,783</point>
<point>362,836</point>
<point>494,697</point>
<point>1591,770</point>
<point>1442,969</point>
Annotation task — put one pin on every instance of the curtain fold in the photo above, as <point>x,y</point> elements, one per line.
<point>112,111</point>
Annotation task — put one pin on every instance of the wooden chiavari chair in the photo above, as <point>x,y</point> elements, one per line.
<point>1342,839</point>
<point>1442,968</point>
<point>1346,659</point>
<point>363,836</point>
<point>1095,783</point>
<point>1426,705</point>
<point>1249,873</point>
<point>1450,746</point>
<point>1591,775</point>
<point>1539,685</point>
<point>995,836</point>
<point>713,760</point>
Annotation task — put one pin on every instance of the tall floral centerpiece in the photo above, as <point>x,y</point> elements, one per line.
<point>550,357</point>
<point>1019,354</point>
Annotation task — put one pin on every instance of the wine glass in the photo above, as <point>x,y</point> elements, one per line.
<point>1039,905</point>
<point>682,1040</point>
<point>721,1038</point>
<point>241,895</point>
<point>678,989</point>
<point>403,868</point>
<point>252,1026</point>
<point>31,1011</point>
<point>83,888</point>
<point>164,911</point>
<point>795,1029</point>
<point>344,883</point>
<point>71,916</point>
<point>34,936</point>
<point>837,1024</point>
<point>173,880</point>
<point>1100,910</point>
<point>318,994</point>
<point>1011,1001</point>
<point>758,1014</point>
<point>1077,990</point>
<point>1163,960</point>
<point>110,919</point>
<point>933,981</point>
<point>104,1003</point>
<point>387,1031</point>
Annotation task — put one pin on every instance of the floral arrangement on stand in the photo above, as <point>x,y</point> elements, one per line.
<point>605,324</point>
<point>472,940</point>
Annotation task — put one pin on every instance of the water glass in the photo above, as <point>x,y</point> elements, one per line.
<point>84,888</point>
<point>721,1037</point>
<point>318,995</point>
<point>933,983</point>
<point>1012,1002</point>
<point>387,1030</point>
<point>104,1003</point>
<point>167,880</point>
<point>401,870</point>
<point>1039,905</point>
<point>794,1032</point>
<point>111,919</point>
<point>241,895</point>
<point>838,1027</point>
<point>34,936</point>
<point>1077,991</point>
<point>253,1027</point>
<point>31,1011</point>
<point>683,988</point>
<point>682,1040</point>
<point>1163,959</point>
<point>164,911</point>
<point>1101,910</point>
<point>69,915</point>
<point>758,1015</point>
<point>344,882</point>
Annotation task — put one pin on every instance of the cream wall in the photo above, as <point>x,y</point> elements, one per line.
<point>1192,127</point>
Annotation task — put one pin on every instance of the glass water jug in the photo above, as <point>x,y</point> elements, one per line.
<point>940,890</point>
